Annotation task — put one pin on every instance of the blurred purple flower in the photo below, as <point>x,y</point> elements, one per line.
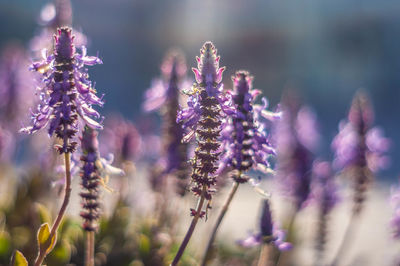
<point>358,144</point>
<point>296,139</point>
<point>121,138</point>
<point>325,195</point>
<point>359,148</point>
<point>165,96</point>
<point>207,105</point>
<point>245,141</point>
<point>269,232</point>
<point>15,86</point>
<point>67,93</point>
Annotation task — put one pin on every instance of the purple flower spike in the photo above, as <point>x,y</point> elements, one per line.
<point>207,105</point>
<point>359,148</point>
<point>90,179</point>
<point>269,232</point>
<point>166,97</point>
<point>244,139</point>
<point>296,138</point>
<point>67,94</point>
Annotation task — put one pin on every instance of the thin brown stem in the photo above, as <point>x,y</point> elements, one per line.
<point>191,228</point>
<point>89,254</point>
<point>43,252</point>
<point>221,215</point>
<point>265,255</point>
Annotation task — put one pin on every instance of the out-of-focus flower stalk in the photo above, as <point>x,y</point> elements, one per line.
<point>165,96</point>
<point>206,107</point>
<point>359,153</point>
<point>245,143</point>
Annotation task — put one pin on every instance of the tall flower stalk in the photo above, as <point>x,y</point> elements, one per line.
<point>246,144</point>
<point>165,96</point>
<point>90,194</point>
<point>207,105</point>
<point>66,98</point>
<point>359,153</point>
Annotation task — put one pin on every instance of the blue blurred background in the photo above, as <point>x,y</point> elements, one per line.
<point>325,49</point>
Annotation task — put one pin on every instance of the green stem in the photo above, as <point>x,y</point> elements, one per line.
<point>222,213</point>
<point>89,254</point>
<point>43,252</point>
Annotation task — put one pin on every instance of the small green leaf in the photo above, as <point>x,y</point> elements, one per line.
<point>43,238</point>
<point>19,259</point>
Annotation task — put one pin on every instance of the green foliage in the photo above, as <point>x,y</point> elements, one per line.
<point>19,259</point>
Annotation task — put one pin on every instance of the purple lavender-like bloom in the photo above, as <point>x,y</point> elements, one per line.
<point>15,86</point>
<point>244,138</point>
<point>359,148</point>
<point>207,105</point>
<point>296,139</point>
<point>67,93</point>
<point>165,96</point>
<point>269,232</point>
<point>90,179</point>
<point>325,195</point>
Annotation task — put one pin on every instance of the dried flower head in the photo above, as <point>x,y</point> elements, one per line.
<point>67,94</point>
<point>207,105</point>
<point>245,140</point>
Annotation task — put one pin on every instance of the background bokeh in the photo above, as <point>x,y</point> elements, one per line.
<point>324,49</point>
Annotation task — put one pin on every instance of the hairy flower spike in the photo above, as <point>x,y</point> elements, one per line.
<point>245,141</point>
<point>359,148</point>
<point>165,96</point>
<point>207,105</point>
<point>90,179</point>
<point>67,93</point>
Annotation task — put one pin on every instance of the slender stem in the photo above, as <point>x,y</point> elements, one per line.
<point>42,252</point>
<point>191,228</point>
<point>89,261</point>
<point>222,213</point>
<point>265,255</point>
<point>346,240</point>
<point>290,238</point>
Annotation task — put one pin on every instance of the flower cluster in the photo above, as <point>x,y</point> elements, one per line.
<point>245,141</point>
<point>269,232</point>
<point>358,144</point>
<point>359,148</point>
<point>207,105</point>
<point>296,138</point>
<point>165,96</point>
<point>67,93</point>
